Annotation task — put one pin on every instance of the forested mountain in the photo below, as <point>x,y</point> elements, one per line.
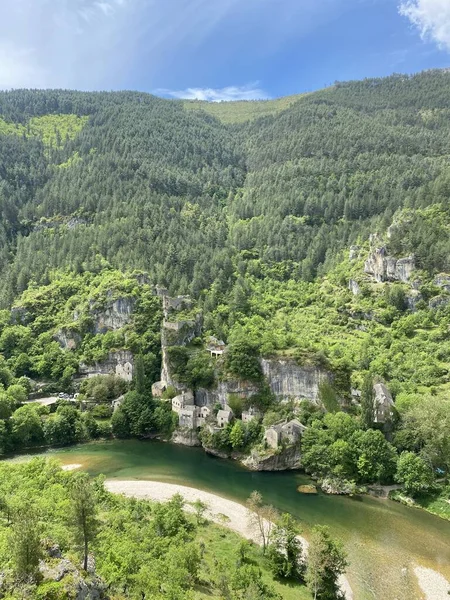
<point>188,198</point>
<point>251,208</point>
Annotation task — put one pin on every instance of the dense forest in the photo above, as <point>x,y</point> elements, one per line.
<point>127,180</point>
<point>265,213</point>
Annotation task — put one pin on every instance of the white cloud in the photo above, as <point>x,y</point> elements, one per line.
<point>69,43</point>
<point>226,94</point>
<point>18,67</point>
<point>431,17</point>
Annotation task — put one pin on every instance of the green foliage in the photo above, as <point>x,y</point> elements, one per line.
<point>414,473</point>
<point>83,516</point>
<point>326,561</point>
<point>242,359</point>
<point>395,296</point>
<point>367,402</point>
<point>424,427</point>
<point>285,551</point>
<point>54,130</point>
<point>328,397</point>
<point>337,446</point>
<point>253,217</point>
<point>237,435</point>
<point>24,543</point>
<point>102,388</point>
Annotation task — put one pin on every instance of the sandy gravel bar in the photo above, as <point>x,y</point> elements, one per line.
<point>433,584</point>
<point>237,517</point>
<point>71,467</point>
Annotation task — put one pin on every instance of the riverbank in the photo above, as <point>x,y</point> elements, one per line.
<point>437,504</point>
<point>226,512</point>
<point>380,536</point>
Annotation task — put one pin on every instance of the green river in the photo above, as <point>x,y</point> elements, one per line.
<point>384,540</point>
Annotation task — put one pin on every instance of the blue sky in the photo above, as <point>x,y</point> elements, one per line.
<point>217,49</point>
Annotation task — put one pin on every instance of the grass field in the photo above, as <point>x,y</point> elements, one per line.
<point>241,111</point>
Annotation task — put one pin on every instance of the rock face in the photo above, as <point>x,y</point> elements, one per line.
<point>186,437</point>
<point>353,286</point>
<point>118,363</point>
<point>219,394</point>
<point>114,316</point>
<point>67,339</point>
<point>77,585</point>
<point>287,459</point>
<point>177,333</point>
<point>413,297</point>
<point>387,268</point>
<point>288,380</point>
<point>354,252</point>
<point>443,281</point>
<point>439,302</point>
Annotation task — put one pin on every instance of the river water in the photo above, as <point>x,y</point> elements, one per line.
<point>384,540</point>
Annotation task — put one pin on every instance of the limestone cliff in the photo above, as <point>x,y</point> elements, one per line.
<point>115,315</point>
<point>289,380</point>
<point>118,363</point>
<point>220,393</point>
<point>287,459</point>
<point>384,267</point>
<point>180,326</point>
<point>67,338</point>
<point>186,437</point>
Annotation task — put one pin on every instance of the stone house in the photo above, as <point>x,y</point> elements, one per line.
<point>287,431</point>
<point>224,416</point>
<point>215,347</point>
<point>125,371</point>
<point>383,404</point>
<point>182,401</point>
<point>250,414</point>
<point>189,415</point>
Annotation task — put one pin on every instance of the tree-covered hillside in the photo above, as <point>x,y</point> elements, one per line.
<point>285,222</point>
<point>189,199</point>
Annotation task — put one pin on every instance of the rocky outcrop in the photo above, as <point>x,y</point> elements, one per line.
<point>387,268</point>
<point>185,437</point>
<point>118,363</point>
<point>353,286</point>
<point>443,281</point>
<point>76,585</point>
<point>289,380</point>
<point>439,302</point>
<point>338,487</point>
<point>177,333</point>
<point>354,252</point>
<point>178,303</point>
<point>75,222</point>
<point>287,459</point>
<point>220,394</point>
<point>67,339</point>
<point>115,315</point>
<point>412,298</point>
